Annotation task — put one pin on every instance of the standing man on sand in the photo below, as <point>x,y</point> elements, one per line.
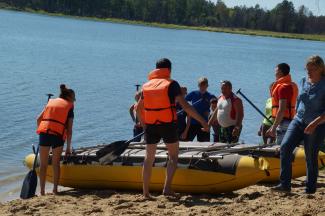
<point>202,107</point>
<point>284,94</point>
<point>160,120</point>
<point>229,114</point>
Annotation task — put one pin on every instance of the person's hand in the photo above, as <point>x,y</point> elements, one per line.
<point>68,151</point>
<point>310,129</point>
<point>271,132</point>
<point>206,127</point>
<point>259,133</point>
<point>138,125</point>
<point>235,132</point>
<point>184,135</point>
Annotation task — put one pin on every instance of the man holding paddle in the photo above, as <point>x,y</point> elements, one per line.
<point>159,120</point>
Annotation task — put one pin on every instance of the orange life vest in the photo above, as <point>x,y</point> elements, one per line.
<point>54,117</point>
<point>157,106</point>
<point>290,111</point>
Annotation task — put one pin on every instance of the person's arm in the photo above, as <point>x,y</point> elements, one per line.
<point>139,110</point>
<point>238,106</point>
<point>192,112</point>
<point>69,135</point>
<point>188,124</point>
<point>279,117</point>
<point>310,129</point>
<point>131,110</point>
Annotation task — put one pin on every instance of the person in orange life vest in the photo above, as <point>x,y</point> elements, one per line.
<point>54,126</point>
<point>137,129</point>
<point>215,126</point>
<point>229,114</point>
<point>159,121</point>
<point>284,97</point>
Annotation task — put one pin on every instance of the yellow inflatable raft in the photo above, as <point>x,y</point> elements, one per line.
<point>194,174</point>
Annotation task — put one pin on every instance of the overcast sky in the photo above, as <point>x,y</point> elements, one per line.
<point>316,6</point>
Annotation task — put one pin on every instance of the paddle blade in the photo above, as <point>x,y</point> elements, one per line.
<point>112,151</point>
<point>29,185</point>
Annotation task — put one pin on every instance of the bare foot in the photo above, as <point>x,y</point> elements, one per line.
<point>148,197</point>
<point>42,193</point>
<point>55,191</point>
<point>169,193</point>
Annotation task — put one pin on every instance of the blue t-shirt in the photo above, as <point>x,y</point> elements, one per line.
<point>311,100</point>
<point>202,107</point>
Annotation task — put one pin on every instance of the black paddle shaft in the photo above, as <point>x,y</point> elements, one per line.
<point>253,105</point>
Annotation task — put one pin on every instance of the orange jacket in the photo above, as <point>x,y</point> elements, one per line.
<point>157,106</point>
<point>54,117</point>
<point>290,111</point>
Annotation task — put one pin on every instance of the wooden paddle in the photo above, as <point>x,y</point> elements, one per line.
<point>30,182</point>
<point>115,149</point>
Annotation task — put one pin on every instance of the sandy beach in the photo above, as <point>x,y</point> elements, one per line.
<point>253,200</point>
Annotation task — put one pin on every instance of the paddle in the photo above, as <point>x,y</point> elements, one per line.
<point>30,182</point>
<point>253,105</point>
<point>115,149</point>
<point>235,150</point>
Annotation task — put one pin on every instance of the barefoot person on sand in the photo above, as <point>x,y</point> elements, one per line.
<point>308,125</point>
<point>54,127</point>
<point>159,120</point>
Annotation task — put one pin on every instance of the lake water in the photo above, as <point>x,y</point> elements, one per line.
<point>103,61</point>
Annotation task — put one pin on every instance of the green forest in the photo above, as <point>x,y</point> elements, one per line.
<point>284,17</point>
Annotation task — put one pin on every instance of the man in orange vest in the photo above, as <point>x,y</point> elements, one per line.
<point>284,96</point>
<point>159,120</point>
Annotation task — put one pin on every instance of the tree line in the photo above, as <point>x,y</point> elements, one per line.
<point>284,17</point>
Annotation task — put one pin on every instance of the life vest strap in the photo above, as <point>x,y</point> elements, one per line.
<point>159,109</point>
<point>53,120</point>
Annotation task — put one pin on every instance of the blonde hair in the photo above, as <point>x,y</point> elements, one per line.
<point>203,80</point>
<point>317,61</point>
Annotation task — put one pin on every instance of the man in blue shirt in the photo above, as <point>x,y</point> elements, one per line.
<point>202,99</point>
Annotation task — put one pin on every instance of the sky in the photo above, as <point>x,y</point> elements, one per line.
<point>312,5</point>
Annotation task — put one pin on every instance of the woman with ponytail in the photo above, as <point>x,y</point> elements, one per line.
<point>54,126</point>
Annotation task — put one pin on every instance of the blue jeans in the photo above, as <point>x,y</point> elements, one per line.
<point>294,135</point>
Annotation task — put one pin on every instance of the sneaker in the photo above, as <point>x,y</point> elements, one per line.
<point>280,188</point>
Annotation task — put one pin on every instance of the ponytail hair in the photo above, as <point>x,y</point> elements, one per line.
<point>65,92</point>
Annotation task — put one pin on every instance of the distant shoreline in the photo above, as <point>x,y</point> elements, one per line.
<point>249,32</point>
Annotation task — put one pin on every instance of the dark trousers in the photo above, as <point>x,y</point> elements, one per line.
<point>225,135</point>
<point>195,130</point>
<point>136,132</point>
<point>293,137</point>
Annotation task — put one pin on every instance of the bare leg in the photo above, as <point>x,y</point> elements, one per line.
<point>147,167</point>
<point>56,167</point>
<point>173,149</point>
<point>44,157</point>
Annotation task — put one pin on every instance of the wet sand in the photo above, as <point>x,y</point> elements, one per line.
<point>253,200</point>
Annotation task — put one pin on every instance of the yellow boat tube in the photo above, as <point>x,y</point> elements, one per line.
<point>193,175</point>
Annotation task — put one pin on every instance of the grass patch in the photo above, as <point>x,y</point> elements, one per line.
<point>313,37</point>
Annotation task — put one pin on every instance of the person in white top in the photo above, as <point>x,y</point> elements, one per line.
<point>229,114</point>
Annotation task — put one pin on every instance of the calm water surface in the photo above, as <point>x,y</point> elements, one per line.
<point>103,61</point>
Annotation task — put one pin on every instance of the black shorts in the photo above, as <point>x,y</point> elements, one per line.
<point>167,132</point>
<point>50,140</point>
